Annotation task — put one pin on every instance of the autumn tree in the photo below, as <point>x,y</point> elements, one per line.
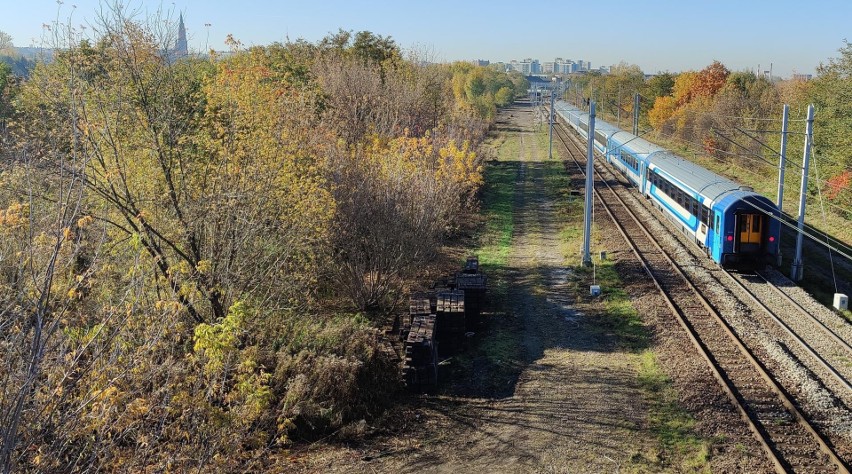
<point>44,266</point>
<point>184,244</point>
<point>663,109</point>
<point>710,80</point>
<point>7,83</point>
<point>831,94</point>
<point>203,182</point>
<point>659,85</point>
<point>7,47</point>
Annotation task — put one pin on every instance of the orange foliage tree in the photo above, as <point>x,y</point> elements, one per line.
<point>710,80</point>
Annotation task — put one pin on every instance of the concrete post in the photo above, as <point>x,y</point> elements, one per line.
<point>797,269</point>
<point>552,103</point>
<point>782,164</point>
<point>636,114</point>
<point>590,183</point>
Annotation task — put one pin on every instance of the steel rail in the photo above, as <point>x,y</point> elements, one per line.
<point>718,373</point>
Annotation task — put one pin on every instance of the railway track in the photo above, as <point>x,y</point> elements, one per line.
<point>823,344</point>
<point>787,437</point>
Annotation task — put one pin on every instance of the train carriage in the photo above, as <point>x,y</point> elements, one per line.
<point>734,225</point>
<point>629,153</point>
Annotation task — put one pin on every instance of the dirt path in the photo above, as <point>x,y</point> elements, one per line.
<point>549,385</point>
<point>576,405</point>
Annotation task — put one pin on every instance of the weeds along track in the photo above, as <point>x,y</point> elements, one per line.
<point>788,438</point>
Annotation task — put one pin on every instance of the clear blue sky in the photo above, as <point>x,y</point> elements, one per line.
<point>657,35</point>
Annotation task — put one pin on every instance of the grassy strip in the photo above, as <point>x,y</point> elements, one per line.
<point>543,139</point>
<point>498,200</point>
<point>497,206</point>
<point>508,147</point>
<point>491,365</point>
<point>621,319</point>
<point>672,425</point>
<point>679,448</point>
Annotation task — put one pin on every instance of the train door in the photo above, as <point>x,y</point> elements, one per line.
<point>716,241</point>
<point>750,232</point>
<point>702,213</point>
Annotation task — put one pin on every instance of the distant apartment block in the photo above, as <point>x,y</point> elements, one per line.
<point>526,67</point>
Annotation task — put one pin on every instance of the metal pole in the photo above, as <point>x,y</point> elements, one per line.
<point>618,111</point>
<point>782,164</point>
<point>590,170</point>
<point>797,270</point>
<point>636,114</point>
<point>552,101</point>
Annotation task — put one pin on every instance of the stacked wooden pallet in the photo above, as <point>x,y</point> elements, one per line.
<point>420,370</point>
<point>443,316</point>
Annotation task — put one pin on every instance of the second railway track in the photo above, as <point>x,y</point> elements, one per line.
<point>790,441</point>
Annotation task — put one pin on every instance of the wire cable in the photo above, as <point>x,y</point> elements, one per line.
<point>822,208</point>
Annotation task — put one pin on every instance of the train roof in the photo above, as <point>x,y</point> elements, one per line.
<point>601,126</point>
<point>704,182</point>
<point>715,189</point>
<point>635,144</point>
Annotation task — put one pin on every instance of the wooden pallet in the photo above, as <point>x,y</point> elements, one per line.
<point>474,286</point>
<point>471,266</point>
<point>420,369</point>
<point>450,319</point>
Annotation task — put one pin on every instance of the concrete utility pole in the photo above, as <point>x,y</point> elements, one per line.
<point>552,102</point>
<point>797,269</point>
<point>590,183</point>
<point>636,114</point>
<point>782,163</point>
<point>618,108</point>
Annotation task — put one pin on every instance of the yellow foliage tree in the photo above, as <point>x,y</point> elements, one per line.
<point>664,108</point>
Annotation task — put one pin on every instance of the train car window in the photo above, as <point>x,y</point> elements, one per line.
<point>755,223</point>
<point>717,223</point>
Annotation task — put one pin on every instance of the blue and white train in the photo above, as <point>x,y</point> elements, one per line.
<point>732,224</point>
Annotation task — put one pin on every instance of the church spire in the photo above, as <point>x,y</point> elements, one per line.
<point>181,48</point>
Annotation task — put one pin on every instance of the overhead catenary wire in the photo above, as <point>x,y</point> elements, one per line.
<point>820,238</point>
<point>822,208</point>
<point>750,156</point>
<point>814,234</point>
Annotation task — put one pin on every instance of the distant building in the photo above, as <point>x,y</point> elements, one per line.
<point>181,49</point>
<point>540,83</point>
<point>802,77</point>
<point>535,66</point>
<point>531,66</point>
<point>481,62</point>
